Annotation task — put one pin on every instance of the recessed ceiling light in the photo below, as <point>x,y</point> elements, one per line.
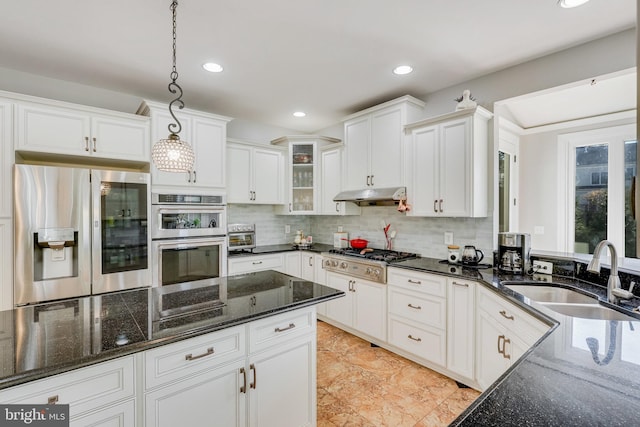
<point>299,114</point>
<point>567,4</point>
<point>402,69</point>
<point>212,67</point>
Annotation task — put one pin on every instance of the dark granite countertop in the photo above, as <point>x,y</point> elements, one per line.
<point>42,340</point>
<point>285,247</point>
<point>583,372</point>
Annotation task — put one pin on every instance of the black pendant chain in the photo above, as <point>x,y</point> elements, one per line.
<point>175,128</point>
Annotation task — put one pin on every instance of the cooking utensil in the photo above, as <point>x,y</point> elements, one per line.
<point>358,243</point>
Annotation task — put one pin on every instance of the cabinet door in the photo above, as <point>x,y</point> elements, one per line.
<point>292,263</point>
<point>331,183</point>
<point>209,145</point>
<point>6,159</point>
<point>370,312</point>
<point>51,129</point>
<point>252,263</point>
<point>120,138</point>
<point>357,134</point>
<point>6,264</point>
<point>340,309</point>
<point>455,170</point>
<point>460,327</point>
<point>239,166</point>
<point>307,265</point>
<point>385,151</point>
<point>219,395</point>
<point>423,183</point>
<point>282,385</point>
<point>268,176</point>
<point>490,362</point>
<point>121,415</point>
<point>160,122</point>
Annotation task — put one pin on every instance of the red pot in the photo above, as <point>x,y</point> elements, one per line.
<point>358,243</point>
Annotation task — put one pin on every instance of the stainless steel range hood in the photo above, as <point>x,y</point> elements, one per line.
<point>373,196</point>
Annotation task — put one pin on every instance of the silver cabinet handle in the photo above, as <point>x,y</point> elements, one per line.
<point>415,282</point>
<point>466,285</point>
<point>435,206</point>
<point>95,148</point>
<point>192,357</point>
<point>243,388</point>
<point>53,399</point>
<point>440,204</point>
<point>256,262</point>
<point>368,178</point>
<point>310,261</point>
<point>255,378</point>
<point>415,339</point>
<point>504,314</point>
<point>86,143</point>
<point>372,180</point>
<point>189,176</point>
<point>337,206</point>
<point>417,307</point>
<point>195,176</point>
<point>291,326</point>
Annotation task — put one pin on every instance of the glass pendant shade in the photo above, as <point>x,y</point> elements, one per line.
<point>173,155</point>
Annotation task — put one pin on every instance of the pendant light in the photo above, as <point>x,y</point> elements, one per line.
<point>173,154</point>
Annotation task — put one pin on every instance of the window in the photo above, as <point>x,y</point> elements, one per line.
<point>602,166</point>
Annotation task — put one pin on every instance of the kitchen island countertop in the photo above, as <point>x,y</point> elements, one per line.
<point>42,340</point>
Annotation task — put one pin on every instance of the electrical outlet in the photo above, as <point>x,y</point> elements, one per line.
<point>448,237</point>
<point>287,229</point>
<point>542,267</point>
<point>340,229</point>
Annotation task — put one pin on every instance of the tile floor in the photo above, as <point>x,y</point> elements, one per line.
<point>360,385</point>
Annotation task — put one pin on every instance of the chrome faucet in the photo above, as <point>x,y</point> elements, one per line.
<point>614,290</point>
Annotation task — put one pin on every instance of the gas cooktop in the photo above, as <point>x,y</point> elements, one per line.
<point>383,255</point>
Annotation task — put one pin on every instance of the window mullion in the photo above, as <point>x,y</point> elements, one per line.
<point>616,196</point>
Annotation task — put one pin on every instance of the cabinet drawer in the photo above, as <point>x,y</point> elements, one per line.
<point>418,307</point>
<point>424,342</point>
<point>428,283</point>
<point>248,264</point>
<point>514,318</point>
<point>277,329</point>
<point>176,361</point>
<point>83,389</point>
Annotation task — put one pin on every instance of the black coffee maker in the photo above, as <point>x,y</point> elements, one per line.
<point>513,252</point>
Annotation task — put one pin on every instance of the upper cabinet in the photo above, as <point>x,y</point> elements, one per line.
<point>373,144</point>
<point>58,128</point>
<point>207,135</point>
<point>446,164</point>
<point>6,159</point>
<point>331,183</point>
<point>309,181</point>
<point>255,173</point>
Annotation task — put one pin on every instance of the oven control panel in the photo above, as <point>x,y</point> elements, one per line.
<point>368,270</point>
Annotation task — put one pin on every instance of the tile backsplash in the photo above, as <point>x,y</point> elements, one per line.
<point>424,236</point>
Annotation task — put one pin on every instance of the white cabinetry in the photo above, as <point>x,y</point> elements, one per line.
<point>270,382</point>
<point>251,263</point>
<point>417,314</point>
<point>446,164</point>
<point>308,261</point>
<point>255,174</point>
<point>461,327</point>
<point>6,159</point>
<point>108,386</point>
<point>504,334</point>
<point>331,183</point>
<point>373,143</point>
<point>207,135</point>
<point>363,309</point>
<point>6,263</point>
<point>59,128</point>
<point>292,263</point>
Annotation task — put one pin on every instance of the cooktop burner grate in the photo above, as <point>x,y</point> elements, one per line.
<point>375,254</point>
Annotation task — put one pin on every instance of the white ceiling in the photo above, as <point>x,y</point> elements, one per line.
<point>329,58</point>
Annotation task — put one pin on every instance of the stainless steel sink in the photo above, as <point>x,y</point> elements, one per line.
<point>589,311</point>
<point>552,294</point>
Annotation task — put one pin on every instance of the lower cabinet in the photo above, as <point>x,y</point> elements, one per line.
<point>461,323</point>
<point>504,334</point>
<point>259,374</point>
<point>252,263</point>
<point>364,307</point>
<point>120,415</point>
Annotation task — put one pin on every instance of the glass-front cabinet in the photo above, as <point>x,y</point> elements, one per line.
<point>302,179</point>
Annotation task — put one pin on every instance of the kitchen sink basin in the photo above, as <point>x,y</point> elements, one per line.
<point>552,294</point>
<point>589,311</point>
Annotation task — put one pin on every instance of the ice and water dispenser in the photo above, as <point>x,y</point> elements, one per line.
<point>55,253</point>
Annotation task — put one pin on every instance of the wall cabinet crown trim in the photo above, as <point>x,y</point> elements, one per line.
<point>406,98</point>
<point>449,116</point>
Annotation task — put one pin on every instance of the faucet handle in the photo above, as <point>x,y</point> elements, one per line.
<point>633,283</point>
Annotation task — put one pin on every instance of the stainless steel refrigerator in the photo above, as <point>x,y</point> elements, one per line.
<point>79,232</point>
